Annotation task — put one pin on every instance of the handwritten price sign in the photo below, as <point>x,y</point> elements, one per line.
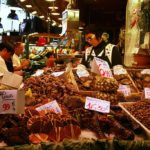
<point>147,93</point>
<point>53,106</point>
<point>7,101</point>
<point>104,69</point>
<point>97,105</point>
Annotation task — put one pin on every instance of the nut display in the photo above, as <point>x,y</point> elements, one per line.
<point>141,111</point>
<point>105,84</point>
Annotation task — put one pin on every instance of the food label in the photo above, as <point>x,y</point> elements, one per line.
<point>101,67</point>
<point>97,105</point>
<point>9,102</point>
<point>145,71</point>
<point>39,72</point>
<point>53,106</point>
<point>82,73</point>
<point>118,69</point>
<point>124,89</point>
<point>56,74</point>
<point>147,93</point>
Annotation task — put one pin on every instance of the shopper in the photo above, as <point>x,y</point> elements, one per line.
<point>6,52</point>
<point>17,63</point>
<point>100,48</point>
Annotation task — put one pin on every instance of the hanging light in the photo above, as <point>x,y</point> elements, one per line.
<point>41,16</point>
<point>28,6</point>
<point>22,0</point>
<point>55,13</point>
<point>53,7</point>
<point>34,12</point>
<point>50,0</point>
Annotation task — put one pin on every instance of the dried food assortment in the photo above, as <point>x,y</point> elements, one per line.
<point>141,111</point>
<point>100,87</point>
<point>141,80</point>
<point>46,86</point>
<point>45,125</point>
<point>125,79</point>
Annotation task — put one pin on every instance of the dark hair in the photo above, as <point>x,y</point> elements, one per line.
<point>95,29</point>
<point>8,47</point>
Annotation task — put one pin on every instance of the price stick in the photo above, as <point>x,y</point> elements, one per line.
<point>82,73</point>
<point>53,106</point>
<point>97,105</point>
<point>125,89</point>
<point>147,93</point>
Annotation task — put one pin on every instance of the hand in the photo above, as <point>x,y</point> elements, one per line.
<point>25,63</point>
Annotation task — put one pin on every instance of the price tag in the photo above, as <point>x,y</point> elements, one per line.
<point>39,72</point>
<point>125,89</point>
<point>145,71</point>
<point>53,106</point>
<point>118,69</point>
<point>82,73</point>
<point>147,93</point>
<point>56,74</point>
<point>97,105</point>
<point>8,101</point>
<point>101,67</point>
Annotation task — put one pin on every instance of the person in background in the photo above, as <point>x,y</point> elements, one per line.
<point>17,63</point>
<point>50,59</point>
<point>105,36</point>
<point>6,52</point>
<point>100,48</point>
<point>121,43</point>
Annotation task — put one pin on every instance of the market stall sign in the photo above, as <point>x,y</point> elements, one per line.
<point>101,67</point>
<point>56,74</point>
<point>12,102</point>
<point>97,105</point>
<point>82,73</point>
<point>125,89</point>
<point>53,106</point>
<point>12,80</point>
<point>147,93</point>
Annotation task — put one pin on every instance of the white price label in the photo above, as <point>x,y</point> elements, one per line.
<point>97,105</point>
<point>145,71</point>
<point>56,74</point>
<point>53,106</point>
<point>103,67</point>
<point>8,101</point>
<point>125,89</point>
<point>118,69</point>
<point>147,93</point>
<point>39,72</point>
<point>82,73</point>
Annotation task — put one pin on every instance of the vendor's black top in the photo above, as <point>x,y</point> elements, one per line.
<point>100,52</point>
<point>9,65</point>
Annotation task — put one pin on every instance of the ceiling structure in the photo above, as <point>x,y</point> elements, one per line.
<point>103,12</point>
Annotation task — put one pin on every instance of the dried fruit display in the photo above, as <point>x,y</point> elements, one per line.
<point>125,79</point>
<point>141,111</point>
<point>141,80</point>
<point>47,86</point>
<point>105,84</point>
<point>113,97</point>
